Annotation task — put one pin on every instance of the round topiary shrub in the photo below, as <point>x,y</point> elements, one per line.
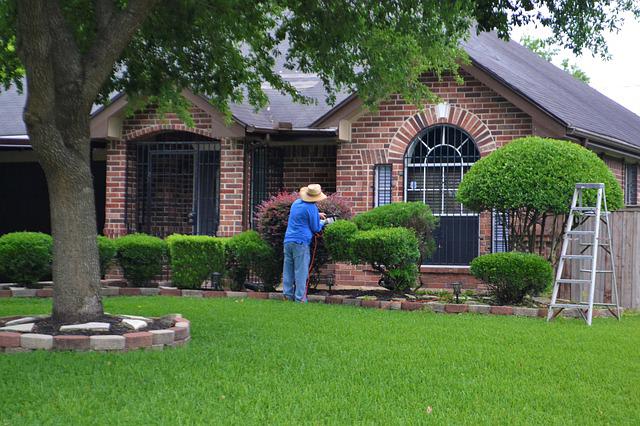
<point>513,276</point>
<point>141,257</point>
<point>338,239</point>
<point>25,257</point>
<point>248,252</point>
<point>107,251</point>
<point>530,182</point>
<point>394,252</point>
<point>194,257</point>
<point>416,216</point>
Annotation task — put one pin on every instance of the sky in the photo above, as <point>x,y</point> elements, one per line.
<point>618,78</point>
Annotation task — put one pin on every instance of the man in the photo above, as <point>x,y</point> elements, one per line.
<point>304,221</point>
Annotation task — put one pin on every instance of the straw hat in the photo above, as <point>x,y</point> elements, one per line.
<point>312,193</point>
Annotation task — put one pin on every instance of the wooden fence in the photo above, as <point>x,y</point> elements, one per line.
<point>625,232</point>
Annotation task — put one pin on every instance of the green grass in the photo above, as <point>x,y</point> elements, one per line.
<point>267,362</point>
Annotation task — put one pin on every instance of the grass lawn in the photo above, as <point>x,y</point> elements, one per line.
<point>269,362</point>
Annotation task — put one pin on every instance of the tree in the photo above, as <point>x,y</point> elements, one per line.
<point>76,52</point>
<point>529,183</point>
<point>546,50</point>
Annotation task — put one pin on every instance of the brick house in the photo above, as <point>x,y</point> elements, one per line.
<point>155,175</point>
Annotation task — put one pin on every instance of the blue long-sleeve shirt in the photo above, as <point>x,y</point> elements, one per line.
<point>304,221</point>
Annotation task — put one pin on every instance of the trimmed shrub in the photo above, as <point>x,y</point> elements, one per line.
<point>141,257</point>
<point>107,251</point>
<point>530,182</point>
<point>248,252</point>
<point>513,276</point>
<point>416,216</point>
<point>394,252</point>
<point>272,217</point>
<point>25,257</point>
<point>194,257</point>
<point>338,239</point>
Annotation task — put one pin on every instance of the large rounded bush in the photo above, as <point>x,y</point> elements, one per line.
<point>107,251</point>
<point>416,216</point>
<point>25,257</point>
<point>248,252</point>
<point>393,252</point>
<point>513,276</point>
<point>338,239</point>
<point>141,257</point>
<point>194,257</point>
<point>535,173</point>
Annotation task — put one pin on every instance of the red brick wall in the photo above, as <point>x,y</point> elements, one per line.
<point>114,225</point>
<point>383,136</point>
<point>305,164</point>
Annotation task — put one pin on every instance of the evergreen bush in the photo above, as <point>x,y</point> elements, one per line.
<point>107,251</point>
<point>25,257</point>
<point>141,257</point>
<point>194,257</point>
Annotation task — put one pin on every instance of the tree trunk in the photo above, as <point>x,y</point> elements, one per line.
<point>76,276</point>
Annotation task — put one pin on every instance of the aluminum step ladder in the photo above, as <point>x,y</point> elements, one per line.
<point>582,233</point>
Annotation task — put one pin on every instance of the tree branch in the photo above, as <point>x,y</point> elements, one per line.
<point>113,36</point>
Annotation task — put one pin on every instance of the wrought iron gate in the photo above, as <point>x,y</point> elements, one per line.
<point>174,188</point>
<point>267,174</point>
<point>435,163</point>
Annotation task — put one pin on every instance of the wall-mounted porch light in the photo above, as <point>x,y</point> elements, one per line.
<point>442,110</point>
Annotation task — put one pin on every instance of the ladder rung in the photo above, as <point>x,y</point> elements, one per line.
<point>598,271</point>
<point>581,232</point>
<point>577,256</point>
<point>589,185</point>
<point>591,244</point>
<point>569,305</point>
<point>572,281</point>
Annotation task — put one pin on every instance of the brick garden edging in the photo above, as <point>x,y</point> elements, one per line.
<point>406,305</point>
<point>177,335</point>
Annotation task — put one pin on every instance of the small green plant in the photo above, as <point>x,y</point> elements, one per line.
<point>141,257</point>
<point>445,296</point>
<point>25,257</point>
<point>513,276</point>
<point>248,252</point>
<point>107,251</point>
<point>194,257</point>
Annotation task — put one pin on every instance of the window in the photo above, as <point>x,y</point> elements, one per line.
<point>383,179</point>
<point>500,232</point>
<point>631,185</point>
<point>435,163</point>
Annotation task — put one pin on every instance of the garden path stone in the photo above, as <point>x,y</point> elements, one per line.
<point>136,317</point>
<point>192,293</point>
<point>163,337</point>
<point>239,294</point>
<point>36,341</point>
<point>315,298</point>
<point>437,307</point>
<point>23,292</point>
<point>276,296</point>
<point>149,291</point>
<point>480,309</point>
<point>109,291</point>
<point>525,312</point>
<point>352,302</point>
<point>134,324</point>
<point>21,321</point>
<point>90,326</point>
<point>22,328</point>
<point>107,343</point>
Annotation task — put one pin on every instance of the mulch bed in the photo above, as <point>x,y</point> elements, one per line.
<point>49,326</point>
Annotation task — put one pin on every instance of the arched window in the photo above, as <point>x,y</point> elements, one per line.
<point>435,163</point>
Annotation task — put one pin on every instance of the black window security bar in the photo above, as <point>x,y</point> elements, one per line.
<point>267,174</point>
<point>173,186</point>
<point>499,234</point>
<point>382,185</point>
<point>631,185</point>
<point>435,163</point>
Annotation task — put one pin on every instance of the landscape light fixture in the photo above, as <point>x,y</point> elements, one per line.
<point>215,280</point>
<point>457,288</point>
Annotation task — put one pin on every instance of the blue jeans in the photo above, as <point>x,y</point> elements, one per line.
<point>295,271</point>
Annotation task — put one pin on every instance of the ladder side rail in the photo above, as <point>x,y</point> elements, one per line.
<point>594,259</point>
<point>563,252</point>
